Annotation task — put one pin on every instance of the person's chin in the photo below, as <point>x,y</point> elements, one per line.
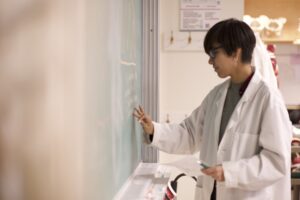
<point>221,75</point>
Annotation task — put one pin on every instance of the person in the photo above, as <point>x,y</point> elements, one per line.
<point>241,128</point>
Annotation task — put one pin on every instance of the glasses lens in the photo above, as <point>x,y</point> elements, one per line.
<point>213,52</point>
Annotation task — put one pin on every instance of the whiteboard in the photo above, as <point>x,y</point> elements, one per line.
<point>113,90</point>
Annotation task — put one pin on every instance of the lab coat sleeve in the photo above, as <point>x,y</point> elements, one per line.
<point>273,160</point>
<point>183,138</point>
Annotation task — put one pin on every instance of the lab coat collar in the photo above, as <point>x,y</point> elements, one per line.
<point>249,93</point>
<point>253,86</point>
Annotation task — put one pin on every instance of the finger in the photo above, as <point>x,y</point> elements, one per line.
<point>136,115</point>
<point>218,178</point>
<point>210,174</point>
<point>138,111</point>
<point>214,176</point>
<point>141,109</point>
<point>209,170</point>
<point>143,120</point>
<point>205,172</point>
<point>143,124</point>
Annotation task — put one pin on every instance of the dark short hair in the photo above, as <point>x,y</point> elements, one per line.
<point>231,34</point>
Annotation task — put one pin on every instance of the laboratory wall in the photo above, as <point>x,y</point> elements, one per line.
<point>288,60</point>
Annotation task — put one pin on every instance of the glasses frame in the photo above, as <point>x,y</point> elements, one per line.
<point>213,52</point>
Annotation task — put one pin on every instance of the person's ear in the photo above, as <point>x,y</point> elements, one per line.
<point>237,55</point>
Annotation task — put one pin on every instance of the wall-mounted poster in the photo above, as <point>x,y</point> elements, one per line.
<point>199,15</point>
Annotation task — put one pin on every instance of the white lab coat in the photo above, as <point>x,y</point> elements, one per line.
<point>255,150</point>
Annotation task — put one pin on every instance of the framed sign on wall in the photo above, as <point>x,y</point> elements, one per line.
<point>199,15</point>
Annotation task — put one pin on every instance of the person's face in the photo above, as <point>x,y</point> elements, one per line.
<point>221,62</point>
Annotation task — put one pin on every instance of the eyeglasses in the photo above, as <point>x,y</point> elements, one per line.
<point>213,52</point>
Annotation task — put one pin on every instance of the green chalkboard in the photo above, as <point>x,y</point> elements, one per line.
<point>113,147</point>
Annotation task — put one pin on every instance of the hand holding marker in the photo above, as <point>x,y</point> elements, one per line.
<point>216,172</point>
<point>203,165</point>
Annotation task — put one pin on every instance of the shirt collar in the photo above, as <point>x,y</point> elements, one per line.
<point>246,83</point>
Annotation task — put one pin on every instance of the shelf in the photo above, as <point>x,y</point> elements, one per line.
<point>293,107</point>
<point>275,9</point>
<point>295,181</point>
<point>274,40</point>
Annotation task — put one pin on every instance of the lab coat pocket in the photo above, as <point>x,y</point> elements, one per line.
<point>245,145</point>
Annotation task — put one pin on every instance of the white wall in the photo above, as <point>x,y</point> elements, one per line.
<point>288,59</point>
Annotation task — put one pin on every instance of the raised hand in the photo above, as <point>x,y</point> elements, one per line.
<point>144,119</point>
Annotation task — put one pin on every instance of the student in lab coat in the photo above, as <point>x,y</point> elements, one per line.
<point>241,128</point>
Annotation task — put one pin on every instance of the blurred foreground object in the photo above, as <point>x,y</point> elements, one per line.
<point>41,108</point>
